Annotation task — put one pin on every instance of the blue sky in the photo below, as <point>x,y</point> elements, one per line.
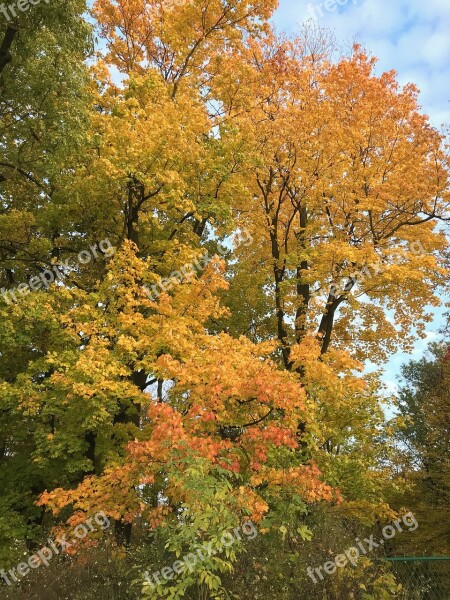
<point>410,36</point>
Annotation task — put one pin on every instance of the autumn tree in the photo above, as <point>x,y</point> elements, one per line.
<point>349,184</point>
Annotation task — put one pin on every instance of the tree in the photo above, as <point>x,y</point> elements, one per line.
<point>423,440</point>
<point>343,235</point>
<point>43,115</point>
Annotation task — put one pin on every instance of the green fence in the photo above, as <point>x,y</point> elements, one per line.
<point>422,577</point>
